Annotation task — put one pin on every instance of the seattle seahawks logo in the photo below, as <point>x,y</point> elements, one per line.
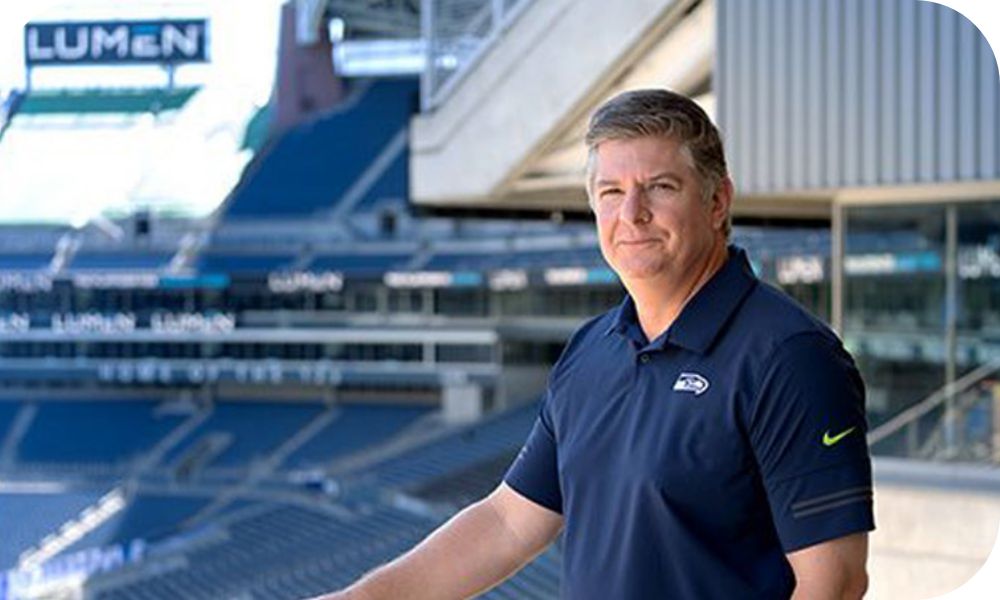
<point>691,382</point>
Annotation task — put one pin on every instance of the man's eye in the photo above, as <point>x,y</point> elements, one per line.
<point>610,194</point>
<point>662,187</point>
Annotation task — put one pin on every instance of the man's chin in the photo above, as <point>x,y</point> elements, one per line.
<point>639,272</point>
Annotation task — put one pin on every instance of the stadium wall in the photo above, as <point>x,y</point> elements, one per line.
<point>936,525</point>
<point>828,95</point>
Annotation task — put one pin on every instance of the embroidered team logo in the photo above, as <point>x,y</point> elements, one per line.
<point>691,382</point>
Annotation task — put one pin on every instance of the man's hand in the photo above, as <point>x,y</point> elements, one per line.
<point>833,570</point>
<point>475,550</point>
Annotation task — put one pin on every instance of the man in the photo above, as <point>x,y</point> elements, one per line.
<point>705,439</point>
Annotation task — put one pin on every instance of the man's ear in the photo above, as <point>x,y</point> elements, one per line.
<point>722,202</point>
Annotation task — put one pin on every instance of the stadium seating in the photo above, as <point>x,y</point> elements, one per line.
<point>92,432</point>
<point>534,259</point>
<point>24,262</point>
<point>254,430</point>
<point>147,517</point>
<point>271,550</point>
<point>27,518</point>
<point>8,410</point>
<point>360,263</point>
<point>221,262</point>
<point>356,427</point>
<point>392,185</point>
<point>292,552</point>
<point>470,445</point>
<point>318,162</point>
<point>283,552</point>
<point>115,261</point>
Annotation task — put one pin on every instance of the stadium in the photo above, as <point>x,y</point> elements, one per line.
<point>261,333</point>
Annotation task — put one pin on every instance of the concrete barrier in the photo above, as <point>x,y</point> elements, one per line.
<point>936,526</point>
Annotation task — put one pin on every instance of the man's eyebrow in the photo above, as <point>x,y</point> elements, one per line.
<point>606,182</point>
<point>671,175</point>
<point>666,175</point>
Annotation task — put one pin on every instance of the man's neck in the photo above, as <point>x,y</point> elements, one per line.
<point>658,303</point>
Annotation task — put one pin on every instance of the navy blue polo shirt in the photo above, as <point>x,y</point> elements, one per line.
<point>689,465</point>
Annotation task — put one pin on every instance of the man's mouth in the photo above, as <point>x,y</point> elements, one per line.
<point>635,242</point>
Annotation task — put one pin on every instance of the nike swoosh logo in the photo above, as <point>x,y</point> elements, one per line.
<point>829,440</point>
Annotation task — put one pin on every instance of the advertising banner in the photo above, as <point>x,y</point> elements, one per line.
<point>116,42</point>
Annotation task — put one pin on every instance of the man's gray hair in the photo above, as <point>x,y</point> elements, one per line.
<point>657,112</point>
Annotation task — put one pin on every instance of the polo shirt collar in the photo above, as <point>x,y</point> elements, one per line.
<point>705,314</point>
<point>625,322</point>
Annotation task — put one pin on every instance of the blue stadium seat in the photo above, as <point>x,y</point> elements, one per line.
<point>478,261</point>
<point>221,262</point>
<point>147,517</point>
<point>256,429</point>
<point>360,263</point>
<point>355,427</point>
<point>394,184</point>
<point>498,435</point>
<point>8,410</point>
<point>87,432</point>
<point>111,261</point>
<point>269,550</point>
<point>27,518</point>
<point>312,166</point>
<point>284,552</point>
<point>24,262</point>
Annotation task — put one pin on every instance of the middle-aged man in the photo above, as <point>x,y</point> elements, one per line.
<point>704,439</point>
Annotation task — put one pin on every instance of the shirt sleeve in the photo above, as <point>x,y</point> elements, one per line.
<point>535,472</point>
<point>807,428</point>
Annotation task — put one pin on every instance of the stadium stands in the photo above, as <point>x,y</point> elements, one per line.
<point>24,262</point>
<point>8,410</point>
<point>464,486</point>
<point>241,425</point>
<point>393,185</point>
<point>147,517</point>
<point>354,428</point>
<point>281,550</point>
<point>116,261</point>
<point>535,259</point>
<point>359,263</point>
<point>488,439</point>
<point>92,432</point>
<point>27,518</point>
<point>328,161</point>
<point>222,262</point>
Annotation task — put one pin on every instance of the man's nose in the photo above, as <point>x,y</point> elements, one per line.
<point>634,209</point>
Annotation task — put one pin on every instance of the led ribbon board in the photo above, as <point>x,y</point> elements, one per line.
<point>116,42</point>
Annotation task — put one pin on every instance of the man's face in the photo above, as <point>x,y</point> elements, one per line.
<point>652,218</point>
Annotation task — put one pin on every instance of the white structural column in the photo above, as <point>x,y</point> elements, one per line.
<point>539,76</point>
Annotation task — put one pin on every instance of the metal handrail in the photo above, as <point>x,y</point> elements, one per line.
<point>911,414</point>
<point>496,13</point>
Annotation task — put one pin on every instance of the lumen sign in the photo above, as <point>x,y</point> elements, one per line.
<point>116,42</point>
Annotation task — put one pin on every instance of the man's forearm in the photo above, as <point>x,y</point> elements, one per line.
<point>832,570</point>
<point>456,561</point>
<point>848,589</point>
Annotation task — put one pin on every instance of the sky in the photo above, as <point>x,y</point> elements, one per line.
<point>186,161</point>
